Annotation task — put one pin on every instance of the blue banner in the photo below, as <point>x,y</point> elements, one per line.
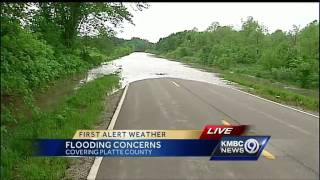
<point>125,148</point>
<point>228,148</point>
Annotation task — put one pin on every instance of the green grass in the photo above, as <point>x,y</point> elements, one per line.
<point>271,92</point>
<point>81,110</point>
<point>267,89</point>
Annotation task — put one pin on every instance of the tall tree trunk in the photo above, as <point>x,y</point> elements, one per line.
<point>71,23</point>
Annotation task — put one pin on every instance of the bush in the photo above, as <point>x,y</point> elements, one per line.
<point>26,62</point>
<point>283,74</point>
<point>224,62</point>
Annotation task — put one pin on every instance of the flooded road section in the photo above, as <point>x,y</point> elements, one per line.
<point>134,67</point>
<point>139,66</point>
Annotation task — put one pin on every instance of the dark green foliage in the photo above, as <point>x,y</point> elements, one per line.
<point>139,45</point>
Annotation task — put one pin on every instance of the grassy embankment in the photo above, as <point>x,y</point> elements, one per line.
<point>302,98</point>
<point>80,110</point>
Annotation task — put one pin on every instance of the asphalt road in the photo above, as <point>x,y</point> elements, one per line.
<point>169,103</point>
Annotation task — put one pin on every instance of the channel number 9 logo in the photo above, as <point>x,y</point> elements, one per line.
<point>251,146</point>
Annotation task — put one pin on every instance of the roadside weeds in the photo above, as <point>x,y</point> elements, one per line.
<point>80,167</point>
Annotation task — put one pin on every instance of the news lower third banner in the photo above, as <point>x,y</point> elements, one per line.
<point>217,142</point>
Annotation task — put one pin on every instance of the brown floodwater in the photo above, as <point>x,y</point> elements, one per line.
<point>58,92</point>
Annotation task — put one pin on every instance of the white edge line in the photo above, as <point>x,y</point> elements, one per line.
<point>276,103</point>
<point>96,164</point>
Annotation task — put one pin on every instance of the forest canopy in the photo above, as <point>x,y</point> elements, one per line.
<point>291,57</point>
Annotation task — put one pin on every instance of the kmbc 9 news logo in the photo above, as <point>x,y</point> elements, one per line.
<point>240,148</point>
<point>251,146</point>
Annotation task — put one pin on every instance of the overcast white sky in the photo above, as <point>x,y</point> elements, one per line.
<point>162,19</point>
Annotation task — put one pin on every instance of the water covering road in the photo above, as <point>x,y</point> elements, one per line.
<point>138,66</point>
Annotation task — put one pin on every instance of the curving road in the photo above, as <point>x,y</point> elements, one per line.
<point>169,103</point>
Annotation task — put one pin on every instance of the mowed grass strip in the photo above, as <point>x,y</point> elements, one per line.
<point>273,93</point>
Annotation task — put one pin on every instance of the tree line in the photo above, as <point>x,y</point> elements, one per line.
<point>291,57</point>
